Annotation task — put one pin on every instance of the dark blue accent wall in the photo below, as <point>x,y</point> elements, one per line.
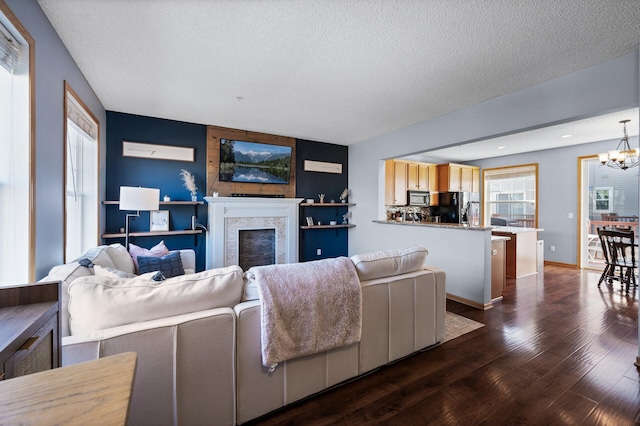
<point>162,174</point>
<point>332,242</point>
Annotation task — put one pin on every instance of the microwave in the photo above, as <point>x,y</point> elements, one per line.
<point>418,198</point>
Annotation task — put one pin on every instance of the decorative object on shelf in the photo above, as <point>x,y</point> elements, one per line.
<point>309,221</point>
<point>167,198</point>
<point>159,220</point>
<point>345,217</point>
<point>215,193</point>
<point>158,152</point>
<point>332,201</point>
<point>321,198</point>
<point>333,222</point>
<point>623,157</point>
<point>190,183</point>
<point>137,198</point>
<point>344,195</point>
<point>322,166</point>
<point>309,200</point>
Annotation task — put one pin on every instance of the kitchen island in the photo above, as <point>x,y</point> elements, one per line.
<point>521,250</point>
<point>466,254</point>
<point>463,252</point>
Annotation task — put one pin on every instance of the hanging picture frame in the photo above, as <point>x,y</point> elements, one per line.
<point>157,152</point>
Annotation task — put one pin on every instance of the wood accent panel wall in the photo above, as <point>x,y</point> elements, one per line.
<point>225,189</point>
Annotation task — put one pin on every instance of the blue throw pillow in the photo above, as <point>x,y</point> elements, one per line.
<point>170,265</point>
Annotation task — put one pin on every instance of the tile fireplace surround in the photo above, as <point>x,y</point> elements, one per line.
<point>230,215</point>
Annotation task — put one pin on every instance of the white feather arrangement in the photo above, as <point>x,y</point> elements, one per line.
<point>189,182</point>
<point>344,195</point>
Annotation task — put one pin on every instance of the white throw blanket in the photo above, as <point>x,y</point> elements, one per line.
<point>307,307</point>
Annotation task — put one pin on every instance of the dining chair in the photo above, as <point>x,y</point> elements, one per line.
<point>618,248</point>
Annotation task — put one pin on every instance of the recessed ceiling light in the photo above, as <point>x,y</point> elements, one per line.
<point>566,136</point>
<point>501,147</point>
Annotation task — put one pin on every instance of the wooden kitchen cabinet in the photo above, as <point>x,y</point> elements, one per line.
<point>457,178</point>
<point>395,188</point>
<point>421,177</point>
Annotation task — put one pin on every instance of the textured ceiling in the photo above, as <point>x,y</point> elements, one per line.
<point>326,70</point>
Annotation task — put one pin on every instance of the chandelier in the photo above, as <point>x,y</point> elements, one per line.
<point>623,157</point>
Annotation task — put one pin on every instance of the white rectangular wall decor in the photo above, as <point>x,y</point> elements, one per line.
<point>158,152</point>
<point>321,166</point>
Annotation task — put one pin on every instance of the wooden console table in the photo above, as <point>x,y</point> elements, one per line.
<point>90,393</point>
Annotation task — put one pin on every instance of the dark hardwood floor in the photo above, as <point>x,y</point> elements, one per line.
<point>556,351</point>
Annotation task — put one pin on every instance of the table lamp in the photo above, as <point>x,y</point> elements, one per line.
<point>137,198</point>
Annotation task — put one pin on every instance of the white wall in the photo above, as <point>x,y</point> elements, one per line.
<point>607,87</point>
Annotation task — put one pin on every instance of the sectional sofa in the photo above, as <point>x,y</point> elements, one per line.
<point>198,335</point>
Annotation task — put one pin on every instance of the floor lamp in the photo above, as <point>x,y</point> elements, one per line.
<point>137,198</point>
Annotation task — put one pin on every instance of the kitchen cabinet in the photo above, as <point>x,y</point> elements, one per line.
<point>395,188</point>
<point>421,177</point>
<point>457,178</point>
<point>498,266</point>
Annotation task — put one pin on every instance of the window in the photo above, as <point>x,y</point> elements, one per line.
<point>510,196</point>
<point>81,177</point>
<point>602,199</point>
<point>16,182</point>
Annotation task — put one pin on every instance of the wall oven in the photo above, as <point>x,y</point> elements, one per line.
<point>418,198</point>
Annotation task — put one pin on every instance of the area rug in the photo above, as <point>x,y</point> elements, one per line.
<point>456,325</point>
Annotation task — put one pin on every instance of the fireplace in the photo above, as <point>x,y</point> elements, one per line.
<point>232,219</point>
<point>256,247</point>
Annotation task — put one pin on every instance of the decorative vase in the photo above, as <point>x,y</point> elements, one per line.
<point>194,198</point>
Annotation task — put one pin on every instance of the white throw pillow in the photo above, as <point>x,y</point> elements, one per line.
<point>121,259</point>
<point>97,303</point>
<point>103,271</point>
<point>388,263</point>
<point>98,256</point>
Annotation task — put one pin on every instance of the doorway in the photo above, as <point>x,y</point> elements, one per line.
<point>608,198</point>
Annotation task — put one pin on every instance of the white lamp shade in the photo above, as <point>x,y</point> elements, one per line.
<point>138,198</point>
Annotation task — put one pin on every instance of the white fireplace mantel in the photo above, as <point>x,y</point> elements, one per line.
<point>229,215</point>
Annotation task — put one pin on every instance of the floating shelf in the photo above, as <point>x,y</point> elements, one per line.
<point>348,225</point>
<point>151,234</point>
<point>175,203</point>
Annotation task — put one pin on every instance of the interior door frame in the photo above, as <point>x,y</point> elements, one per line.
<point>582,264</point>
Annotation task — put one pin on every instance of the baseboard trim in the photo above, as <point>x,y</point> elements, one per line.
<point>565,265</point>
<point>468,302</point>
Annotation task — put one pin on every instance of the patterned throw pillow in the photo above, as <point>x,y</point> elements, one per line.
<point>170,265</point>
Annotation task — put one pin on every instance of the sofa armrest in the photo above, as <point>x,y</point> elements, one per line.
<point>188,257</point>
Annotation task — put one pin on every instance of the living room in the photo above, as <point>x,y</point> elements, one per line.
<point>611,84</point>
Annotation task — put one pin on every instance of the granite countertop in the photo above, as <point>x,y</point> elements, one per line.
<point>437,225</point>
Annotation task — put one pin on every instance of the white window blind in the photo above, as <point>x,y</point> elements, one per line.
<point>9,50</point>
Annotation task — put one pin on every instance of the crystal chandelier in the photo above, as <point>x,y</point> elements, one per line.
<point>623,157</point>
